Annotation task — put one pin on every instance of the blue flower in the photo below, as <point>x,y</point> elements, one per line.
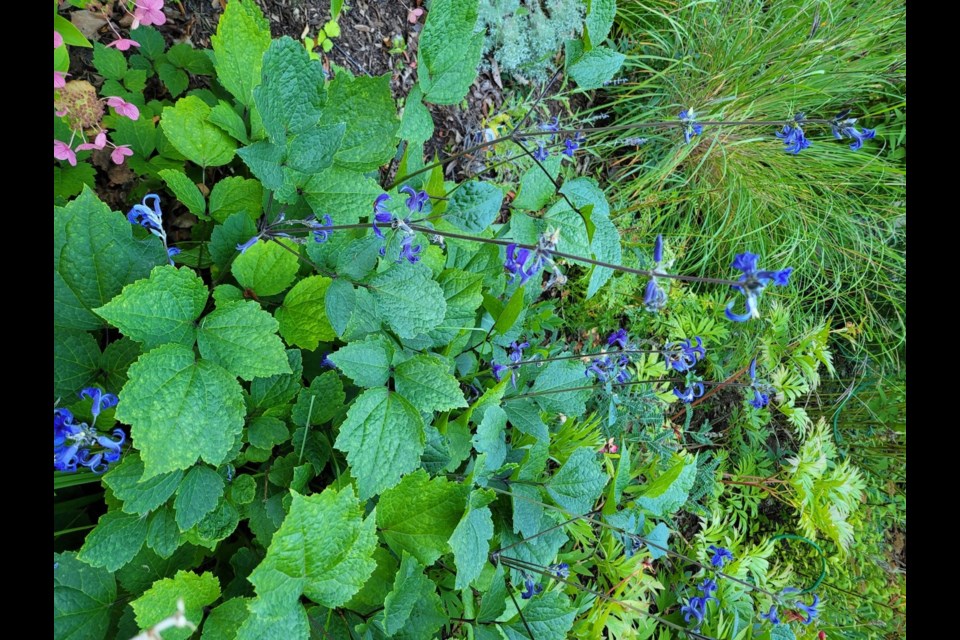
<point>811,610</point>
<point>690,393</point>
<point>417,199</point>
<point>530,588</point>
<point>327,362</point>
<point>73,443</point>
<point>112,447</point>
<point>691,128</point>
<point>708,586</point>
<point>515,354</point>
<point>408,251</point>
<point>552,126</point>
<point>541,153</point>
<point>761,391</point>
<point>151,220</point>
<point>654,296</point>
<point>321,232</point>
<point>793,136</point>
<point>720,556</point>
<point>380,214</point>
<point>753,282</point>
<point>844,127</point>
<point>249,243</point>
<point>516,351</point>
<point>99,400</point>
<point>683,356</point>
<point>571,145</point>
<point>619,337</point>
<point>695,608</point>
<point>498,370</point>
<point>771,615</point>
<point>172,251</point>
<point>561,570</point>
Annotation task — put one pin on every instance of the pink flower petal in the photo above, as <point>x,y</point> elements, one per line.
<point>99,142</point>
<point>124,44</point>
<point>118,154</point>
<point>123,107</point>
<point>57,39</point>
<point>62,151</point>
<point>414,14</point>
<point>59,79</point>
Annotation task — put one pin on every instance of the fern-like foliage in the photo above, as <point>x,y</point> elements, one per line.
<point>826,492</point>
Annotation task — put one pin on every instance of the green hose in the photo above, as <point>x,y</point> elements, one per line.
<point>823,557</point>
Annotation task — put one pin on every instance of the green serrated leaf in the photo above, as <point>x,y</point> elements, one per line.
<point>110,63</point>
<point>242,38</point>
<point>185,191</point>
<point>417,123</point>
<point>266,432</point>
<point>536,189</point>
<point>94,256</point>
<point>230,121</point>
<point>140,496</point>
<point>366,108</point>
<point>151,41</point>
<point>332,572</point>
<point>163,536</point>
<point>264,160</point>
<point>427,381</point>
<point>279,389</point>
<point>160,309</point>
<point>175,80</point>
<point>68,181</point>
<point>365,362</point>
<point>288,71</point>
<point>187,128</point>
<point>303,316</point>
<point>266,268</point>
<point>313,150</point>
<point>470,542</point>
<point>140,134</point>
<point>449,51</point>
<point>225,621</point>
<point>114,541</point>
<point>180,409</point>
<point>197,496</point>
<point>658,539</point>
<point>596,67</point>
<point>549,617</point>
<point>490,439</point>
<point>82,598</point>
<point>420,514</point>
<point>242,338</point>
<point>383,438</point>
<point>326,393</point>
<point>160,601</point>
<point>371,597</point>
<point>70,34</point>
<point>600,15</point>
<point>345,194</point>
<point>236,229</point>
<point>235,194</point>
<point>115,360</point>
<point>193,60</point>
<point>409,586</point>
<point>474,206</point>
<point>579,482</point>
<point>559,375</point>
<point>76,361</point>
<point>409,300</point>
<point>669,491</point>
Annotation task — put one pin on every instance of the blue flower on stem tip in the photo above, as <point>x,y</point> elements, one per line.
<point>540,153</point>
<point>691,128</point>
<point>530,589</point>
<point>74,443</point>
<point>761,392</point>
<point>708,586</point>
<point>771,615</point>
<point>690,393</point>
<point>416,200</point>
<point>793,136</point>
<point>654,296</point>
<point>99,400</point>
<point>321,231</point>
<point>517,260</point>
<point>753,282</point>
<point>682,355</point>
<point>604,368</point>
<point>150,219</point>
<point>553,125</point>
<point>516,357</point>
<point>561,570</point>
<point>243,246</point>
<point>720,556</point>
<point>408,251</point>
<point>571,145</point>
<point>811,610</point>
<point>844,127</point>
<point>696,607</point>
<point>380,214</point>
<point>619,337</point>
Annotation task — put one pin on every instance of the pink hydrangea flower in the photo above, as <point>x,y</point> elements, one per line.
<point>62,151</point>
<point>148,12</point>
<point>57,39</point>
<point>117,155</point>
<point>98,143</point>
<point>124,44</point>
<point>59,79</point>
<point>123,107</point>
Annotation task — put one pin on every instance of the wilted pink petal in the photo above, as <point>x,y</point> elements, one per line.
<point>98,143</point>
<point>148,12</point>
<point>59,79</point>
<point>62,151</point>
<point>60,113</point>
<point>414,14</point>
<point>123,107</point>
<point>117,155</point>
<point>57,39</point>
<point>123,44</point>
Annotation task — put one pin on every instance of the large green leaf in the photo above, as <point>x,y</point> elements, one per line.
<point>94,256</point>
<point>114,541</point>
<point>197,496</point>
<point>82,599</point>
<point>365,106</point>
<point>303,315</point>
<point>417,123</point>
<point>549,617</point>
<point>427,381</point>
<point>470,542</point>
<point>409,586</point>
<point>243,36</point>
<point>344,194</point>
<point>334,571</point>
<point>420,514</point>
<point>160,601</point>
<point>279,389</point>
<point>233,194</point>
<point>600,15</point>
<point>266,268</point>
<point>409,300</point>
<point>140,496</point>
<point>449,51</point>
<point>292,91</point>
<point>560,375</point>
<point>579,482</point>
<point>160,309</point>
<point>366,362</point>
<point>242,338</point>
<point>188,129</point>
<point>596,67</point>
<point>180,409</point>
<point>474,206</point>
<point>383,438</point>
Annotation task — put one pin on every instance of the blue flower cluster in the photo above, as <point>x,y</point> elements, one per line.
<point>810,611</point>
<point>605,367</point>
<point>531,588</point>
<point>78,444</point>
<point>753,282</point>
<point>696,607</point>
<point>683,356</point>
<point>516,263</point>
<point>151,219</point>
<point>720,556</point>
<point>516,356</point>
<point>416,201</point>
<point>761,390</point>
<point>690,128</point>
<point>793,136</point>
<point>844,127</point>
<point>654,296</point>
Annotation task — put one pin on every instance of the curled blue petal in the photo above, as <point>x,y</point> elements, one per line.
<point>771,615</point>
<point>249,243</point>
<point>658,249</point>
<point>737,317</point>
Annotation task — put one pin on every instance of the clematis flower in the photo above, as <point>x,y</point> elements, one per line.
<point>120,152</point>
<point>124,44</point>
<point>99,400</point>
<point>416,200</point>
<point>321,232</point>
<point>62,151</point>
<point>123,108</point>
<point>242,247</point>
<point>571,145</point>
<point>530,589</point>
<point>98,143</point>
<point>380,214</point>
<point>690,128</point>
<point>753,283</point>
<point>771,615</point>
<point>148,12</point>
<point>151,220</point>
<point>683,356</point>
<point>812,611</point>
<point>561,570</point>
<point>844,127</point>
<point>720,556</point>
<point>654,296</point>
<point>690,393</point>
<point>409,252</point>
<point>695,608</point>
<point>793,136</point>
<point>59,80</point>
<point>541,153</point>
<point>619,337</point>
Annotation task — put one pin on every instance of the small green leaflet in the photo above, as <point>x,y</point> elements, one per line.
<point>303,315</point>
<point>163,535</point>
<point>409,586</point>
<point>666,494</point>
<point>326,392</point>
<point>180,409</point>
<point>242,338</point>
<point>234,194</point>
<point>420,514</point>
<point>489,439</point>
<point>114,541</point>
<point>140,496</point>
<point>243,36</point>
<point>595,67</point>
<point>160,601</point>
<point>658,540</point>
<point>185,191</point>
<point>279,389</point>
<point>197,496</point>
<point>600,15</point>
<point>187,128</point>
<point>427,381</point>
<point>160,309</point>
<point>474,206</point>
<point>230,121</point>
<point>332,572</point>
<point>470,542</point>
<point>383,438</point>
<point>409,300</point>
<point>417,123</point>
<point>265,432</point>
<point>266,267</point>
<point>224,622</point>
<point>345,194</point>
<point>82,598</point>
<point>579,482</point>
<point>366,362</point>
